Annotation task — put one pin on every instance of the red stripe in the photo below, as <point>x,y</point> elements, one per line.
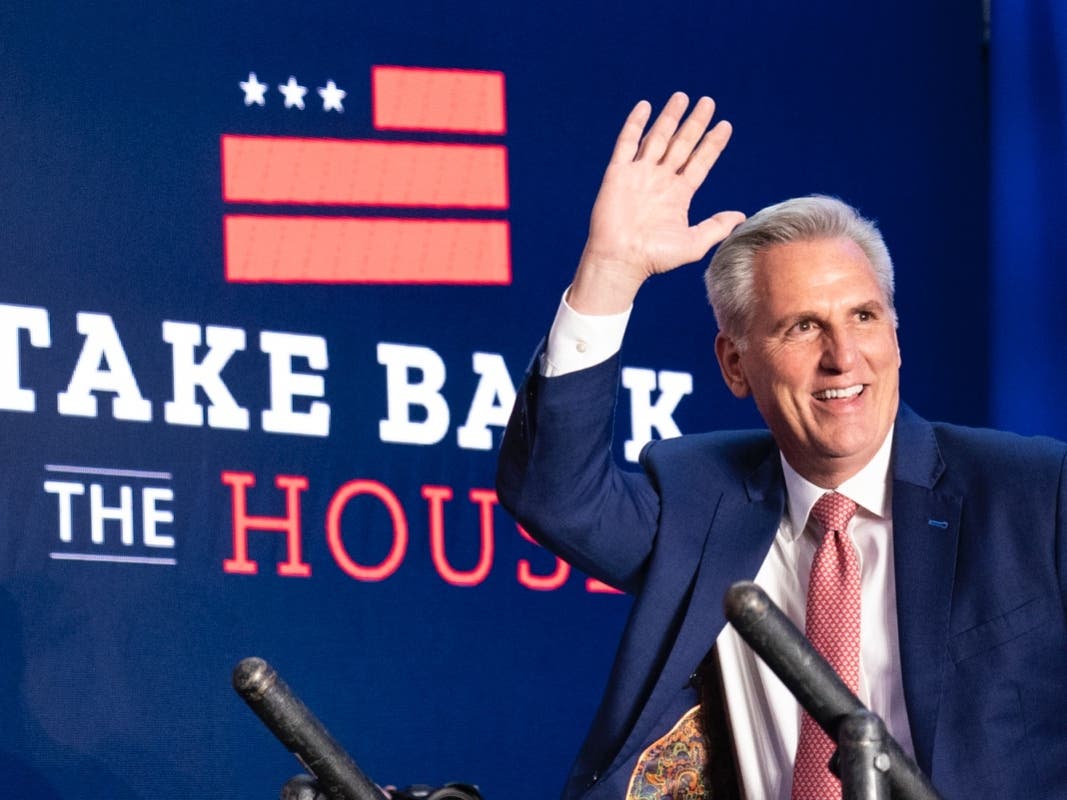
<point>274,169</point>
<point>413,98</point>
<point>277,249</point>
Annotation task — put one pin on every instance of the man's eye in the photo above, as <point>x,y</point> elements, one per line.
<point>803,326</point>
<point>865,316</point>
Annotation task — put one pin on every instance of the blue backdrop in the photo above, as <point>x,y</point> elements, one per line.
<point>434,641</point>
<point>1029,239</point>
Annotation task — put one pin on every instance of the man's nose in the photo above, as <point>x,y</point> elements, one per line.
<point>839,352</point>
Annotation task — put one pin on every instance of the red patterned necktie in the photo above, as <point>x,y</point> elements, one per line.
<point>833,626</point>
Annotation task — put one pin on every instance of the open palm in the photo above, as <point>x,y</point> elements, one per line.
<point>640,221</point>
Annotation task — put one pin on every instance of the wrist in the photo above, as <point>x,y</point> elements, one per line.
<point>603,286</point>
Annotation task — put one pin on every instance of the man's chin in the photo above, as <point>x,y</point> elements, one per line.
<point>839,452</point>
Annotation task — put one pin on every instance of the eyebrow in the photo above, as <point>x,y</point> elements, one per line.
<point>875,306</point>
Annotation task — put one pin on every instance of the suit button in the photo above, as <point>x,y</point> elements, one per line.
<point>593,779</point>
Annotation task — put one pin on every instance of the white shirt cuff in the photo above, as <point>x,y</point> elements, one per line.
<point>577,341</point>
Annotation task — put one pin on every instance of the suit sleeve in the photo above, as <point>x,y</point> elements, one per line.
<point>557,477</point>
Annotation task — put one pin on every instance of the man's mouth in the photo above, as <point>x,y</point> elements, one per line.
<point>839,394</point>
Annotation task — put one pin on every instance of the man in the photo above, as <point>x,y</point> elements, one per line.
<point>927,561</point>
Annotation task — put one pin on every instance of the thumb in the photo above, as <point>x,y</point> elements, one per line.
<point>716,228</point>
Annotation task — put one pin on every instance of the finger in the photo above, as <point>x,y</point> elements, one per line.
<point>654,145</point>
<point>705,155</point>
<point>713,230</point>
<point>689,133</point>
<point>630,135</point>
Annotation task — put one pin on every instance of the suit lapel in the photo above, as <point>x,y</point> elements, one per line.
<point>736,544</point>
<point>925,533</point>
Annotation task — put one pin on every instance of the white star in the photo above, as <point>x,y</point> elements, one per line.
<point>294,93</point>
<point>253,90</point>
<point>332,97</point>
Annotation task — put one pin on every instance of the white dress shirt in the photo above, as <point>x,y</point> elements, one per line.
<point>763,715</point>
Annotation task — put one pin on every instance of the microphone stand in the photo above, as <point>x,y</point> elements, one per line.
<point>337,777</point>
<point>869,759</point>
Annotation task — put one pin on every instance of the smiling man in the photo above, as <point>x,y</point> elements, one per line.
<point>819,352</point>
<point>927,562</point>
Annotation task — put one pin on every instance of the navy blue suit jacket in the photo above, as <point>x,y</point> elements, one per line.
<point>980,553</point>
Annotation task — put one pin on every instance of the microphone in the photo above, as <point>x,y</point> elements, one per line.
<point>301,732</point>
<point>818,689</point>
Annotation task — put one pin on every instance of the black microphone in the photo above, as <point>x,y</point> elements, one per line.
<point>301,732</point>
<point>818,689</point>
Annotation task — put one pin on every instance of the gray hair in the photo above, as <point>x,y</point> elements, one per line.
<point>729,277</point>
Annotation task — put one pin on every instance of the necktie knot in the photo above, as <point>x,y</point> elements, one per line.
<point>833,511</point>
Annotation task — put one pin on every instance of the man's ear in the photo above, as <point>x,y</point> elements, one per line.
<point>729,356</point>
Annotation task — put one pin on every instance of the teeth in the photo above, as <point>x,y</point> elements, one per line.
<point>834,394</point>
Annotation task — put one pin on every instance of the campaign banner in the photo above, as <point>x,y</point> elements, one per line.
<point>272,275</point>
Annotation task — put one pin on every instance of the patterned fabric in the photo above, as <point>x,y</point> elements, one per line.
<point>833,626</point>
<point>673,767</point>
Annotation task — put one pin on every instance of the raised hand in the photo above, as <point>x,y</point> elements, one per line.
<point>640,221</point>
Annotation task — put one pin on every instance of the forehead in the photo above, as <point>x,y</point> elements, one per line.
<point>817,271</point>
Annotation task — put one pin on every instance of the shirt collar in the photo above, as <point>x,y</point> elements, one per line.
<point>868,488</point>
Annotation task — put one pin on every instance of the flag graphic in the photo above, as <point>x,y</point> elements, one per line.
<point>272,240</point>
